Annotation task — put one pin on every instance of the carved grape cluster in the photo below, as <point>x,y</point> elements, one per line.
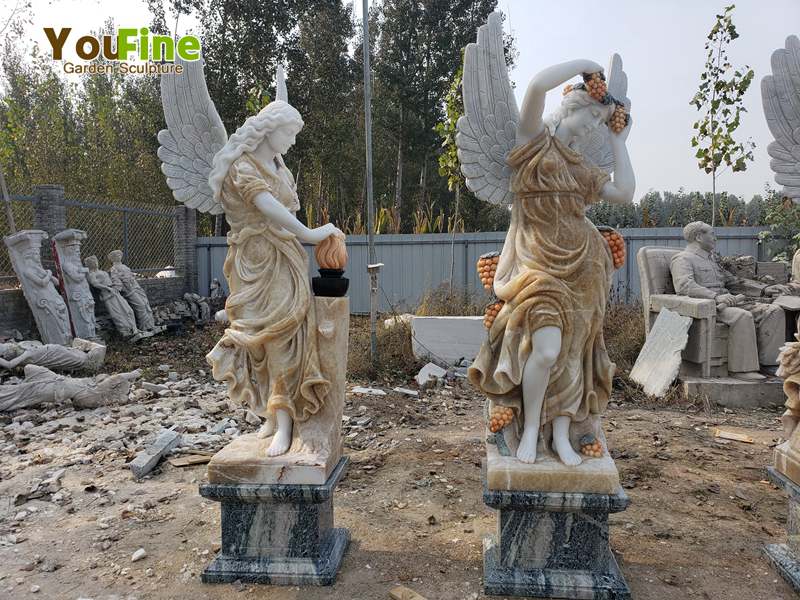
<point>591,446</point>
<point>487,267</point>
<point>616,244</point>
<point>491,313</point>
<point>596,85</point>
<point>619,119</point>
<point>501,416</point>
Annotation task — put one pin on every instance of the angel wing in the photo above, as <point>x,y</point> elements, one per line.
<point>780,93</point>
<point>598,148</point>
<point>194,134</point>
<point>487,130</point>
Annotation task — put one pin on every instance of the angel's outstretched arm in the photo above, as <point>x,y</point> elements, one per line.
<point>278,213</point>
<point>530,121</point>
<point>620,190</point>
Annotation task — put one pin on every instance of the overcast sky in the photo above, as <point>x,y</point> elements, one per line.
<point>661,44</point>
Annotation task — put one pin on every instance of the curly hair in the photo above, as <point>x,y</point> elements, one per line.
<point>273,116</point>
<point>574,100</point>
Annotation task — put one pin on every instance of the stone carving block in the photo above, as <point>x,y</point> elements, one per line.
<point>659,360</point>
<point>76,284</point>
<point>39,286</point>
<point>146,460</point>
<point>447,338</point>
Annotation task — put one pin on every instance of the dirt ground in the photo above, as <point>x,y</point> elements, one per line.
<point>700,509</point>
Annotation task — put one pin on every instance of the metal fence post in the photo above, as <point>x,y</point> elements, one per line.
<point>125,235</point>
<point>50,215</point>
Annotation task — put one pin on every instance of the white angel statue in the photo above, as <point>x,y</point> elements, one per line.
<point>544,356</point>
<point>268,355</point>
<point>780,93</point>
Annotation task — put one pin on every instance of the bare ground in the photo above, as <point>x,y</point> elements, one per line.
<point>700,509</point>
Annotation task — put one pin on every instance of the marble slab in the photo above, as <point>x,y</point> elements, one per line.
<point>659,360</point>
<point>548,474</point>
<point>245,460</point>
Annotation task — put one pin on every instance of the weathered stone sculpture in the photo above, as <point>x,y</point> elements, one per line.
<point>121,312</point>
<point>42,385</point>
<point>785,470</point>
<point>76,286</point>
<point>124,281</point>
<point>39,286</point>
<point>201,311</point>
<point>780,94</point>
<point>82,355</point>
<point>215,289</point>
<point>756,329</point>
<point>284,351</point>
<point>544,365</point>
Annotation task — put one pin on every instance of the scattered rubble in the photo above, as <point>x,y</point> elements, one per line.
<point>429,375</point>
<point>148,458</point>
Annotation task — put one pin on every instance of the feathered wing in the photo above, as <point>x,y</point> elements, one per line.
<point>194,134</point>
<point>780,93</point>
<point>598,148</point>
<point>487,130</point>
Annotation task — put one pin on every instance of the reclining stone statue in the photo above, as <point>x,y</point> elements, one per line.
<point>42,385</point>
<point>757,328</point>
<point>82,355</point>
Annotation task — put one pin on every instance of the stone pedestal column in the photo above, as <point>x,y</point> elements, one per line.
<point>786,557</point>
<point>553,545</point>
<point>277,534</point>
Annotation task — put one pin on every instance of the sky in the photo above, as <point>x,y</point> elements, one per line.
<point>661,44</point>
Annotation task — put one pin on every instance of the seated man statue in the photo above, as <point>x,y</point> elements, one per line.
<point>757,329</point>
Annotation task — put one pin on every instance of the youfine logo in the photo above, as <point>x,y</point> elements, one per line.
<point>155,54</point>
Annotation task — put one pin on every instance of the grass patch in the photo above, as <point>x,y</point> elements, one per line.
<point>442,301</point>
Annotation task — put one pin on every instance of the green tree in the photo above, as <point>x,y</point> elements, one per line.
<point>720,99</point>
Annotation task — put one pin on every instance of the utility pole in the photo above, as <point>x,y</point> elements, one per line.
<point>373,266</point>
<point>12,227</point>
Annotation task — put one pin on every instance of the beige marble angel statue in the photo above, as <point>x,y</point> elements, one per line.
<point>269,354</point>
<point>544,355</point>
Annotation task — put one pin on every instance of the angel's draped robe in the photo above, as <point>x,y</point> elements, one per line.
<point>268,355</point>
<point>555,270</point>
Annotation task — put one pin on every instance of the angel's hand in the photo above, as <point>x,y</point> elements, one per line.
<point>319,234</point>
<point>592,67</point>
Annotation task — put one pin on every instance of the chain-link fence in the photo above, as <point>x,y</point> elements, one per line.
<point>144,234</point>
<point>22,208</point>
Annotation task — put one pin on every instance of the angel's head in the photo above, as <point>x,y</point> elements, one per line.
<point>578,116</point>
<point>273,129</point>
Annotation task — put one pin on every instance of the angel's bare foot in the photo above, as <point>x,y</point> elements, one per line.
<point>561,442</point>
<point>526,452</point>
<point>283,436</point>
<point>267,427</point>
